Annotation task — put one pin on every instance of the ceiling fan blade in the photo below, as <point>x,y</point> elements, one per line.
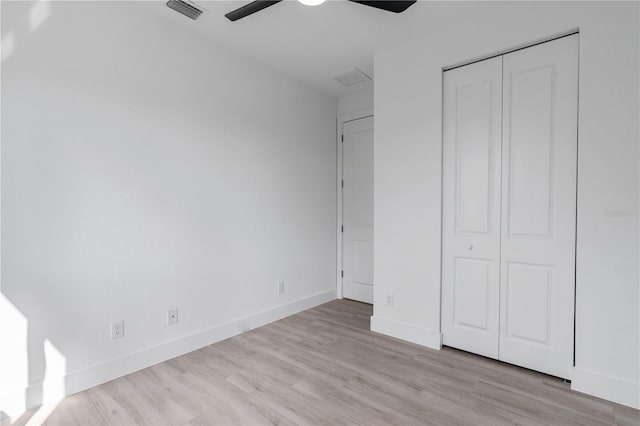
<point>248,9</point>
<point>391,5</point>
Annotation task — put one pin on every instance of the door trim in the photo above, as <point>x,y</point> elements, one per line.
<point>512,49</point>
<point>342,119</point>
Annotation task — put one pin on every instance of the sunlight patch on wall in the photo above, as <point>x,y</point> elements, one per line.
<point>53,388</point>
<point>39,13</point>
<point>7,46</point>
<point>14,363</point>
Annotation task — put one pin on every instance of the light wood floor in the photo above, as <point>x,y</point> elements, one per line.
<point>323,367</point>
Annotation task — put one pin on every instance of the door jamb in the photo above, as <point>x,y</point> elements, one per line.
<point>342,119</point>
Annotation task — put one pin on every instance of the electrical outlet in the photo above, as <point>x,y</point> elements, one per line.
<point>172,316</point>
<point>281,287</point>
<point>117,330</point>
<point>389,301</point>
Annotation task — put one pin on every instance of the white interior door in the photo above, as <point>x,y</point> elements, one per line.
<point>357,208</point>
<point>539,161</point>
<point>471,207</point>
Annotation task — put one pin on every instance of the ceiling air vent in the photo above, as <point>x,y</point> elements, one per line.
<point>351,76</point>
<point>187,8</point>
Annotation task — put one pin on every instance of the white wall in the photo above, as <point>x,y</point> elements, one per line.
<point>356,102</point>
<point>145,168</point>
<point>408,179</point>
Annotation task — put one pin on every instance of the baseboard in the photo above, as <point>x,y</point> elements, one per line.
<point>411,333</point>
<point>606,387</point>
<point>16,402</point>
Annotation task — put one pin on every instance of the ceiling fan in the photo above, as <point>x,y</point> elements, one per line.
<point>396,6</point>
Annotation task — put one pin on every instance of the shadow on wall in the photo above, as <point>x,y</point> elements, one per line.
<point>32,368</point>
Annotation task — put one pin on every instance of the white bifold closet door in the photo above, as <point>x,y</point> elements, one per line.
<point>471,200</point>
<point>512,300</point>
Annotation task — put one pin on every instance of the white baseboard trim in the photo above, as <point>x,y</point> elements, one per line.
<point>606,387</point>
<point>16,402</point>
<point>411,333</point>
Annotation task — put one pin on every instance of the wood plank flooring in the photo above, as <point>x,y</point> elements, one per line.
<point>324,367</point>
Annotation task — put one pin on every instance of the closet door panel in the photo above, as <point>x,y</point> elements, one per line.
<point>530,162</point>
<point>471,207</point>
<point>539,161</point>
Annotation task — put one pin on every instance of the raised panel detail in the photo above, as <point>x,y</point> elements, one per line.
<point>363,262</point>
<point>528,302</point>
<point>473,156</point>
<point>471,292</point>
<point>531,130</point>
<point>363,177</point>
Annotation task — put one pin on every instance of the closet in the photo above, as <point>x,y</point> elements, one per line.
<point>509,206</point>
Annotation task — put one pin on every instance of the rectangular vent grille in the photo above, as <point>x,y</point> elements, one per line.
<point>351,77</point>
<point>186,8</point>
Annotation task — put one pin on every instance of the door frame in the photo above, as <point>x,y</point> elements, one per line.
<point>342,119</point>
<point>526,45</point>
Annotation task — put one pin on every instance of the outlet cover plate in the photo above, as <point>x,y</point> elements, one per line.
<point>117,330</point>
<point>389,301</point>
<point>172,316</point>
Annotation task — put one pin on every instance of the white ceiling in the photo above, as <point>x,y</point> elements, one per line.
<point>311,44</point>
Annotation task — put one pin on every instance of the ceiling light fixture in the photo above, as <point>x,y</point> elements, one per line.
<point>311,2</point>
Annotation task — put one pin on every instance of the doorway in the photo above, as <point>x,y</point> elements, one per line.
<point>356,228</point>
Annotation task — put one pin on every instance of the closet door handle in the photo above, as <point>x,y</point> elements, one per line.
<point>470,247</point>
